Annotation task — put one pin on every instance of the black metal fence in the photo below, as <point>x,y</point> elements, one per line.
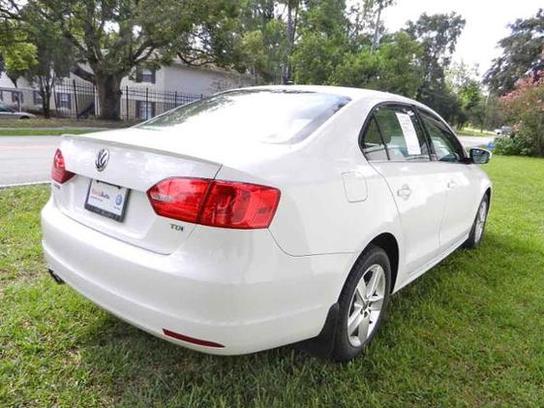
<point>79,100</point>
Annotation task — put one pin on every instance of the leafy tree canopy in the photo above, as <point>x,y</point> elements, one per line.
<point>115,36</point>
<point>17,55</point>
<point>394,67</point>
<point>438,35</point>
<point>522,51</point>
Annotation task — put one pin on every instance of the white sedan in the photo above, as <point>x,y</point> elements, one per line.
<point>7,112</point>
<point>263,216</point>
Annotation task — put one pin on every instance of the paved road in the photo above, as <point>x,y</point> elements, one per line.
<point>27,159</point>
<point>473,141</point>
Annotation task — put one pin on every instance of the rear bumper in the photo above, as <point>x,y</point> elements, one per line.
<point>233,288</point>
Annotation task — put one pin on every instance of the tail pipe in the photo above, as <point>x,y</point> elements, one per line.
<point>55,277</point>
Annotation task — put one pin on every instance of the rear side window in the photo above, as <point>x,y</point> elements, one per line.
<point>374,146</point>
<point>264,115</point>
<point>400,133</point>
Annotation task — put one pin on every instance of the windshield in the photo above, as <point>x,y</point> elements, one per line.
<point>271,116</point>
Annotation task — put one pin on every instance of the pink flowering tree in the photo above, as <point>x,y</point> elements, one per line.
<point>524,106</point>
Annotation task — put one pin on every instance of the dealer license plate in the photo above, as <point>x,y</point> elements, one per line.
<point>107,200</point>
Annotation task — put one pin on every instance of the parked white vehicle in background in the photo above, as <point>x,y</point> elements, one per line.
<point>263,216</point>
<point>9,113</point>
<point>504,131</point>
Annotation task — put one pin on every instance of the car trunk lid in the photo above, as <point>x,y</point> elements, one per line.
<point>138,159</point>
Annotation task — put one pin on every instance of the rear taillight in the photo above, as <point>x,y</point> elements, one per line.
<point>58,171</point>
<point>179,198</point>
<point>216,203</point>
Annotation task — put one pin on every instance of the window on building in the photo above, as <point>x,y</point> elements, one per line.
<point>17,97</point>
<point>145,110</point>
<point>64,100</point>
<point>145,75</point>
<point>37,98</point>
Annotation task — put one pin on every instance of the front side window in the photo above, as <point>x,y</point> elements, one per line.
<point>445,145</point>
<point>261,115</point>
<point>400,135</point>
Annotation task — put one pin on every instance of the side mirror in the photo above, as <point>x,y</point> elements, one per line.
<point>479,156</point>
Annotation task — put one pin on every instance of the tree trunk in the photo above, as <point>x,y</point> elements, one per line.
<point>45,85</point>
<point>376,37</point>
<point>46,101</point>
<point>292,12</point>
<point>108,87</point>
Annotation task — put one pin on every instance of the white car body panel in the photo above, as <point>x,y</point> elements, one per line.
<point>251,289</point>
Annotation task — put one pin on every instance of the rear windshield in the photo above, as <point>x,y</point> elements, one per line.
<point>271,116</point>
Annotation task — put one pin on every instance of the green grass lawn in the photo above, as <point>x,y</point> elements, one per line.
<point>45,132</point>
<point>468,333</point>
<point>41,122</point>
<point>57,126</point>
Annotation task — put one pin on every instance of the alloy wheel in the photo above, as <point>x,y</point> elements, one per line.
<point>366,305</point>
<point>480,221</point>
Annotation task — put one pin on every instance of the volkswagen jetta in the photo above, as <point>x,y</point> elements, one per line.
<point>263,216</point>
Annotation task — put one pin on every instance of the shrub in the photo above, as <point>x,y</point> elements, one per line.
<point>512,146</point>
<point>525,107</point>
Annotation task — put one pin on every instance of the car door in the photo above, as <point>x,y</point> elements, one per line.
<point>450,162</point>
<point>394,143</point>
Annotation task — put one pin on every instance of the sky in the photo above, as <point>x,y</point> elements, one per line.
<point>486,23</point>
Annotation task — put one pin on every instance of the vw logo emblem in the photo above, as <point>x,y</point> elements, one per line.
<point>102,159</point>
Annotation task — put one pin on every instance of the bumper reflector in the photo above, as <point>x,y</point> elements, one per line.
<point>188,339</point>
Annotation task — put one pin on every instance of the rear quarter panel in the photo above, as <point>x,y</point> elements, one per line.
<point>315,214</point>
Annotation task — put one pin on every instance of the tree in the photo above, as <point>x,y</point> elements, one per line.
<point>393,67</point>
<point>438,35</point>
<point>292,9</point>
<point>365,22</point>
<point>380,6</point>
<point>323,41</point>
<point>524,106</point>
<point>17,59</point>
<point>522,51</point>
<point>264,43</point>
<point>115,36</point>
<point>55,58</point>
<point>463,81</point>
<point>17,55</point>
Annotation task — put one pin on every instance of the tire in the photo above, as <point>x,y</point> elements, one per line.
<point>478,226</point>
<point>356,308</point>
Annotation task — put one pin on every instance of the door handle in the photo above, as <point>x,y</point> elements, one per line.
<point>404,192</point>
<point>452,184</point>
